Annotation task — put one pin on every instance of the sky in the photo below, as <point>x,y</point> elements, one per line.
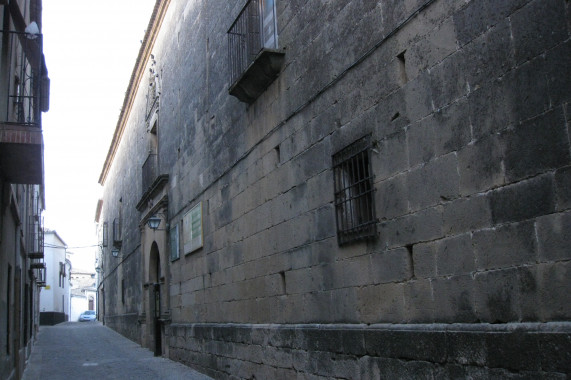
<point>90,49</point>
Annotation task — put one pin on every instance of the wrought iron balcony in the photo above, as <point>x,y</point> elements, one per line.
<point>23,78</point>
<point>39,269</point>
<point>24,94</point>
<point>253,57</point>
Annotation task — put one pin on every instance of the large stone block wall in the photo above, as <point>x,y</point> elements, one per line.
<point>471,166</point>
<point>127,324</point>
<point>418,351</point>
<point>121,293</point>
<point>468,106</point>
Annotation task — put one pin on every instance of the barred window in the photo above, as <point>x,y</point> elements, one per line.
<point>105,234</point>
<point>61,274</point>
<point>117,238</point>
<point>353,185</point>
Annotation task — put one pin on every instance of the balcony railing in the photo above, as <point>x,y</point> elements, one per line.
<point>39,269</point>
<point>150,171</point>
<point>251,35</point>
<point>35,240</point>
<point>23,78</point>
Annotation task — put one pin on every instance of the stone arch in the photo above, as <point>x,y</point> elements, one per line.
<point>156,297</point>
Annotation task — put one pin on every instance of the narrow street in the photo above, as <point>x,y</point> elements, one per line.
<point>74,350</point>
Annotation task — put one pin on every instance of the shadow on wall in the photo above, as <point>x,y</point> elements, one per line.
<point>51,318</point>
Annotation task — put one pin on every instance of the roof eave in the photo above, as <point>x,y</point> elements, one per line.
<point>153,28</point>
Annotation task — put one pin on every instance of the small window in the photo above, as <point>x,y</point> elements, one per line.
<point>354,201</point>
<point>123,291</point>
<point>105,234</point>
<point>8,308</point>
<point>174,242</point>
<point>61,274</point>
<point>117,238</point>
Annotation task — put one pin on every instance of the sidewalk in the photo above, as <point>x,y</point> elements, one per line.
<point>88,350</point>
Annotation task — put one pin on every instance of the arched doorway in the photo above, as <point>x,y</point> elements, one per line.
<point>155,315</point>
<point>155,301</point>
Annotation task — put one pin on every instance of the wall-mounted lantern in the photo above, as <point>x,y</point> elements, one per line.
<point>154,222</point>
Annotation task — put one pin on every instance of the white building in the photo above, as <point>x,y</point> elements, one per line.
<point>83,292</point>
<point>54,298</point>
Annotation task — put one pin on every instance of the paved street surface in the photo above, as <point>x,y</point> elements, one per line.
<point>88,350</point>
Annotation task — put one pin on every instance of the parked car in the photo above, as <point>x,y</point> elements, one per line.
<point>88,315</point>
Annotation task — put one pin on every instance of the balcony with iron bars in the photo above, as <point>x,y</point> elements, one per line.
<point>24,94</point>
<point>38,268</point>
<point>253,54</point>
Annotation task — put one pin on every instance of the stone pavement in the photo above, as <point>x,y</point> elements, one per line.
<point>88,350</point>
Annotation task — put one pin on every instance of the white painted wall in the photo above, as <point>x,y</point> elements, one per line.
<point>55,296</point>
<point>78,305</point>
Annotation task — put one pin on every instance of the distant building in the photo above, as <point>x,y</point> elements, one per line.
<point>24,95</point>
<point>55,297</point>
<point>345,189</point>
<point>83,292</point>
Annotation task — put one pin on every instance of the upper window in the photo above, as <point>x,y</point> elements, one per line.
<point>174,243</point>
<point>117,238</point>
<point>62,274</point>
<point>105,234</point>
<point>252,50</point>
<point>354,201</point>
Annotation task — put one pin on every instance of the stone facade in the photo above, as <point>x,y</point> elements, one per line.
<point>466,107</point>
<point>21,277</point>
<point>24,95</point>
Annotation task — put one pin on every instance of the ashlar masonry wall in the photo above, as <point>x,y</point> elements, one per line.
<point>467,106</point>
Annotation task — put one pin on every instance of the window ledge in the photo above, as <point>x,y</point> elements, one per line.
<point>258,76</point>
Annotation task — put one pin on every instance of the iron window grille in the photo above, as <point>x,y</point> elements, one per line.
<point>254,29</point>
<point>117,238</point>
<point>354,192</point>
<point>35,244</point>
<point>35,232</point>
<point>105,234</point>
<point>26,78</point>
<point>61,274</point>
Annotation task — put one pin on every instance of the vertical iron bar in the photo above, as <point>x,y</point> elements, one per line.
<point>358,182</point>
<point>363,188</point>
<point>349,192</point>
